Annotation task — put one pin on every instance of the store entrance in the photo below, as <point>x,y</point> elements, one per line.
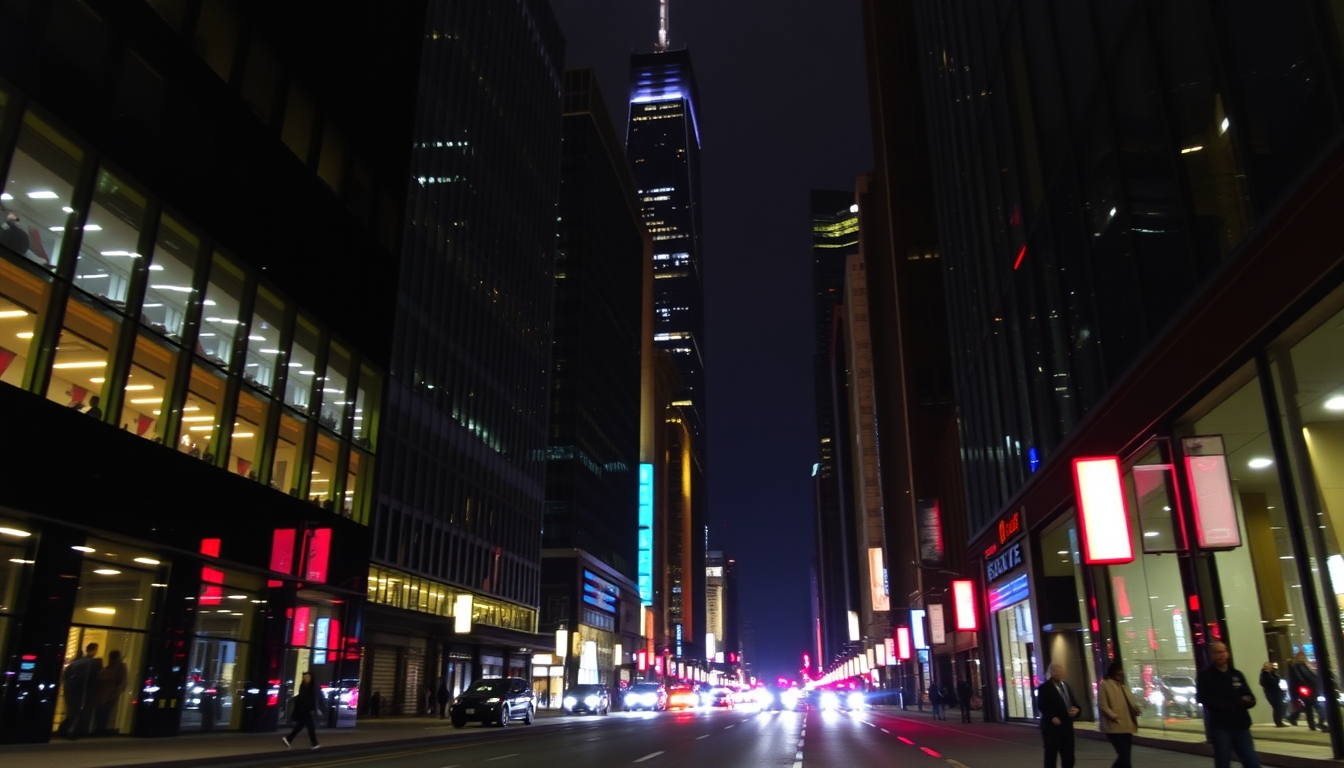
<point>1018,659</point>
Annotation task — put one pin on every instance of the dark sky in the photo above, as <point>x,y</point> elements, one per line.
<point>783,110</point>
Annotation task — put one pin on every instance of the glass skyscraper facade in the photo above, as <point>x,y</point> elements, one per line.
<point>461,492</point>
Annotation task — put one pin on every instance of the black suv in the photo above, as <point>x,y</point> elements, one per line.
<point>589,698</point>
<point>495,700</point>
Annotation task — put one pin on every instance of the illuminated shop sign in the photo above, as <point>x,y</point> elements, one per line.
<point>1005,562</point>
<point>963,605</point>
<point>1102,517</point>
<point>1007,594</point>
<point>599,592</point>
<point>1211,492</point>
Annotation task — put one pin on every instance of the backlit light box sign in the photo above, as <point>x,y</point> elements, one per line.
<point>963,605</point>
<point>1102,518</point>
<point>1216,524</point>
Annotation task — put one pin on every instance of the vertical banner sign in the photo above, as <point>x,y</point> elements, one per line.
<point>917,628</point>
<point>929,523</point>
<point>890,643</point>
<point>1102,517</point>
<point>1211,492</point>
<point>645,543</point>
<point>903,643</point>
<point>877,580</point>
<point>937,630</point>
<point>963,605</point>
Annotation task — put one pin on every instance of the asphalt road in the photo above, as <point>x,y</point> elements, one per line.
<point>735,738</point>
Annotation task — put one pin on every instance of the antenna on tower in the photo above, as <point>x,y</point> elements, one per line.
<point>662,25</point>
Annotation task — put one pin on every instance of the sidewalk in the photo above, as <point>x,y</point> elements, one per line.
<point>1288,748</point>
<point>206,748</point>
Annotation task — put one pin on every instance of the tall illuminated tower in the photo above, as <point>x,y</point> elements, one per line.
<point>663,147</point>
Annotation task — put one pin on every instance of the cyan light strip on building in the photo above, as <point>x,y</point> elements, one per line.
<point>646,534</point>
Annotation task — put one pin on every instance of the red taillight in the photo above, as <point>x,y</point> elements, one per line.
<point>1304,691</point>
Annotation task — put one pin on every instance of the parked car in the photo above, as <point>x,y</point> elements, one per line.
<point>590,699</point>
<point>651,696</point>
<point>498,700</point>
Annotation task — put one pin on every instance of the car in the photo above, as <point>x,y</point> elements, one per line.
<point>682,697</point>
<point>1174,696</point>
<point>718,697</point>
<point>498,700</point>
<point>590,699</point>
<point>651,696</point>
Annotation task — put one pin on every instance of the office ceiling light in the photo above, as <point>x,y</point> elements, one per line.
<point>104,611</point>
<point>84,364</point>
<point>1259,463</point>
<point>11,313</point>
<point>139,387</point>
<point>6,531</point>
<point>107,572</point>
<point>147,560</point>
<point>78,548</point>
<point>1333,404</point>
<point>43,194</point>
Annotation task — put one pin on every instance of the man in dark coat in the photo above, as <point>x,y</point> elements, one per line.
<point>1226,695</point>
<point>964,699</point>
<point>1058,708</point>
<point>77,684</point>
<point>1303,686</point>
<point>1270,686</point>
<point>305,712</point>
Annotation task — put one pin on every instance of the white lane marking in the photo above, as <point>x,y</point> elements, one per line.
<point>726,727</point>
<point>798,764</point>
<point>647,757</point>
<point>706,736</point>
<point>501,757</point>
<point>594,738</point>
<point>957,763</point>
<point>798,756</point>
<point>884,730</point>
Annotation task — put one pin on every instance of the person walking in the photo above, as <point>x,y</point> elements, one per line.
<point>1272,686</point>
<point>964,699</point>
<point>444,696</point>
<point>305,712</point>
<point>1303,686</point>
<point>1119,714</point>
<point>1058,708</point>
<point>107,689</point>
<point>1226,695</point>
<point>78,683</point>
<point>936,701</point>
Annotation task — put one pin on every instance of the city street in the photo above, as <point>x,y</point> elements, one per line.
<point>696,739</point>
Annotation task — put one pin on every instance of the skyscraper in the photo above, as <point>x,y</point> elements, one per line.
<point>460,494</point>
<point>663,148</point>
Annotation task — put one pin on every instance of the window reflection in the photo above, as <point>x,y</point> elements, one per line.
<point>36,201</point>
<point>80,367</point>
<point>263,342</point>
<point>322,485</point>
<point>353,478</point>
<point>303,366</point>
<point>223,312</point>
<point>367,397</point>
<point>169,294</point>
<point>22,297</point>
<point>335,390</point>
<point>108,251</point>
<point>201,415</point>
<point>147,388</point>
<point>285,471</point>
<point>247,435</point>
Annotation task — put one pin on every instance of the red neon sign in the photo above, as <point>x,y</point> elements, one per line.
<point>299,636</point>
<point>963,605</point>
<point>1102,518</point>
<point>903,643</point>
<point>642,660</point>
<point>319,552</point>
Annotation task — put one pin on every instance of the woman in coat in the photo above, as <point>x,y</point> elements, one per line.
<point>305,711</point>
<point>1119,714</point>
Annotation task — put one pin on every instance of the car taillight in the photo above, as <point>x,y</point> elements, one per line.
<point>1304,691</point>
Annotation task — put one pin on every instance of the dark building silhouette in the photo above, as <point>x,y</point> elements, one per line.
<point>592,459</point>
<point>199,241</point>
<point>462,487</point>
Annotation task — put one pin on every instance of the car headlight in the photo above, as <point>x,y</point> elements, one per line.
<point>493,700</point>
<point>570,701</point>
<point>829,700</point>
<point>591,701</point>
<point>855,700</point>
<point>1181,699</point>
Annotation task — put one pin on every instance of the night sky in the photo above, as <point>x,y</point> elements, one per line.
<point>783,110</point>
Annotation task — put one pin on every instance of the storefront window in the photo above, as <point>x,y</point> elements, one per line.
<point>170,294</point>
<point>147,388</point>
<point>263,342</point>
<point>82,356</point>
<point>222,314</point>
<point>17,550</point>
<point>36,200</point>
<point>228,611</point>
<point>109,250</point>
<point>303,366</point>
<point>1017,644</point>
<point>22,297</point>
<point>1271,625</point>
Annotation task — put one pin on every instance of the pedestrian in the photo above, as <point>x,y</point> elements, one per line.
<point>936,702</point>
<point>1227,699</point>
<point>1058,708</point>
<point>1302,688</point>
<point>1119,714</point>
<point>444,696</point>
<point>964,699</point>
<point>107,689</point>
<point>1272,686</point>
<point>78,684</point>
<point>304,712</point>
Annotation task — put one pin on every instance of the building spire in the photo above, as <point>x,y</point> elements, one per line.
<point>662,25</point>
